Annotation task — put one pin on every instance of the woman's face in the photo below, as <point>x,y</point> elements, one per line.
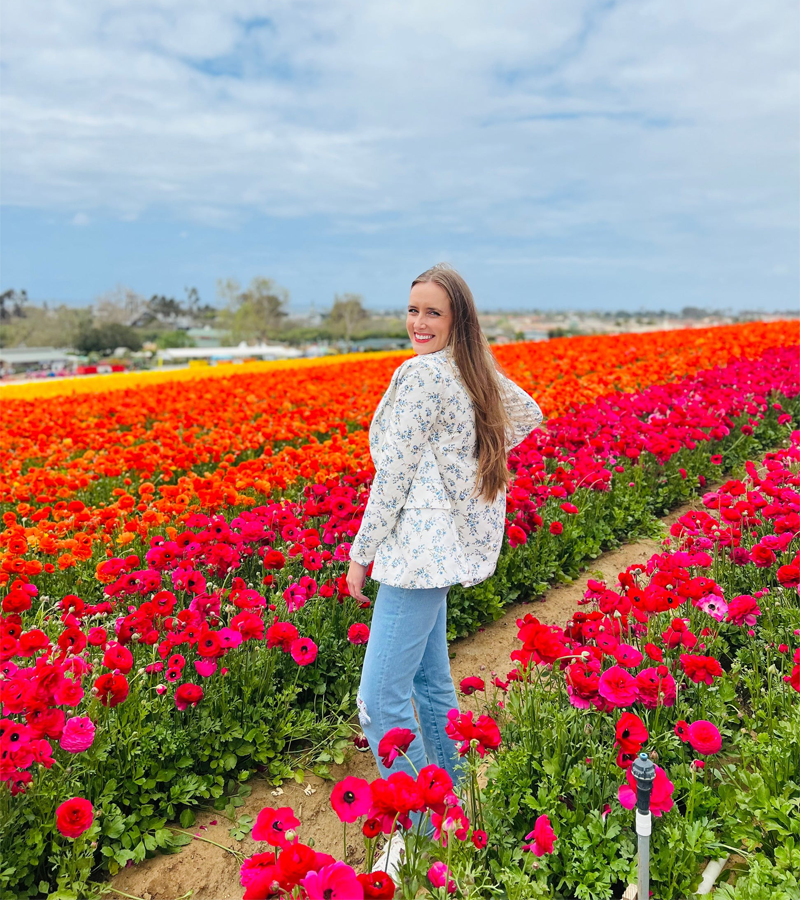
<point>430,318</point>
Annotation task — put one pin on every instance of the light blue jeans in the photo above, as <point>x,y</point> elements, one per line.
<point>407,659</point>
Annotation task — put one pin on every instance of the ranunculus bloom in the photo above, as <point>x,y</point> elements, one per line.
<point>111,689</point>
<point>631,733</point>
<point>472,683</point>
<point>701,668</point>
<point>762,556</point>
<point>334,882</point>
<point>543,837</point>
<point>351,798</point>
<point>393,743</point>
<point>255,866</point>
<point>304,651</point>
<point>272,824</point>
<point>789,575</point>
<point>439,876</point>
<point>295,862</point>
<point>377,886</point>
<point>617,686</point>
<point>516,536</point>
<point>656,687</point>
<point>556,527</point>
<point>484,732</point>
<point>743,609</point>
<point>78,734</point>
<point>480,839</point>
<point>188,694</point>
<point>118,657</point>
<point>660,797</point>
<point>74,817</point>
<point>358,633</point>
<point>704,737</point>
<point>435,784</point>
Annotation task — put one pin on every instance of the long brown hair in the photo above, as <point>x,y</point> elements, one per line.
<point>479,372</point>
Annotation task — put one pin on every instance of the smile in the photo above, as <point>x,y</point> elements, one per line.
<point>422,338</point>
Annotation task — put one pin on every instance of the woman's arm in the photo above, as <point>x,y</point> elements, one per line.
<point>522,409</point>
<point>417,403</point>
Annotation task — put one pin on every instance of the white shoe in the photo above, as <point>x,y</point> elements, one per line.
<point>392,856</point>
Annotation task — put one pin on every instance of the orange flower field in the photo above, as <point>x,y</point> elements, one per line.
<point>95,461</point>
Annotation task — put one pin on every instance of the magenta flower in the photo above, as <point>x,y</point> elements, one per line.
<point>273,824</point>
<point>334,882</point>
<point>351,798</point>
<point>304,651</point>
<point>660,798</point>
<point>439,876</point>
<point>358,633</point>
<point>78,734</point>
<point>743,609</point>
<point>543,837</point>
<point>617,686</point>
<point>704,737</point>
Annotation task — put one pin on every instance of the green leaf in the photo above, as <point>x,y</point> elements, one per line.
<point>188,818</point>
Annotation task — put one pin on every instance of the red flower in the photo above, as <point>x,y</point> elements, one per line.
<point>569,508</point>
<point>682,730</point>
<point>274,559</point>
<point>187,694</point>
<point>111,689</point>
<point>210,645</point>
<point>794,678</point>
<point>543,836</point>
<point>763,557</point>
<point>281,634</point>
<point>631,733</point>
<point>705,737</point>
<point>393,743</point>
<point>351,798</point>
<point>743,609</point>
<point>256,866</point>
<point>74,817</point>
<point>118,657</point>
<point>701,668</point>
<point>556,528</point>
<point>435,785</point>
<point>272,824</point>
<point>393,799</point>
<point>617,687</point>
<point>372,827</point>
<point>358,633</point>
<point>376,886</point>
<point>471,684</point>
<point>304,651</point>
<point>480,839</point>
<point>516,536</point>
<point>483,734</point>
<point>789,575</point>
<point>295,862</point>
<point>544,643</point>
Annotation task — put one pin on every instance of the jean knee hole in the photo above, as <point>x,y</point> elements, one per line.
<point>363,718</point>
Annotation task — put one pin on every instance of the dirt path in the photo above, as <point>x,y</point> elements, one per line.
<point>213,874</point>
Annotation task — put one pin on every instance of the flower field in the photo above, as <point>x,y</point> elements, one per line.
<point>175,614</point>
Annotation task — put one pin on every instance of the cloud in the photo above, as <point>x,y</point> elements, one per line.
<point>80,219</point>
<point>660,125</point>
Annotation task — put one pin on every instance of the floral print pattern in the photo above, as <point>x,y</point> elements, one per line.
<point>422,526</point>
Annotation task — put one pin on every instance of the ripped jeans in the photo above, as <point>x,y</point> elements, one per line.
<point>407,658</point>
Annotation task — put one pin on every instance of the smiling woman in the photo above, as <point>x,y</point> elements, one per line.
<point>440,440</point>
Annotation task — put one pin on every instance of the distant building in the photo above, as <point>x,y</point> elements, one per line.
<point>28,359</point>
<point>206,337</point>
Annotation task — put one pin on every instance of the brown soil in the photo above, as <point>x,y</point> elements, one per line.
<point>206,872</point>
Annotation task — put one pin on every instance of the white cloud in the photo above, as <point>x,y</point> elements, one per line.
<point>80,219</point>
<point>529,119</point>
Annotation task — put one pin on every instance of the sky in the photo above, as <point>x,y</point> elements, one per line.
<point>559,153</point>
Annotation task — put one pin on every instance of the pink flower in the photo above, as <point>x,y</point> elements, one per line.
<point>205,667</point>
<point>743,609</point>
<point>439,876</point>
<point>543,837</point>
<point>334,882</point>
<point>617,686</point>
<point>472,683</point>
<point>304,651</point>
<point>78,734</point>
<point>256,866</point>
<point>351,798</point>
<point>705,737</point>
<point>187,694</point>
<point>660,798</point>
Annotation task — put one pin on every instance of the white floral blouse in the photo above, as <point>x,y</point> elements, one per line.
<point>422,526</point>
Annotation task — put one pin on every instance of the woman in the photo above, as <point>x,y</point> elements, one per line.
<point>439,440</point>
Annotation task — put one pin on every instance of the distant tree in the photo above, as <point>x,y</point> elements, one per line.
<point>105,338</point>
<point>693,312</point>
<point>346,314</point>
<point>177,338</point>
<point>165,308</point>
<point>201,313</point>
<point>255,313</point>
<point>120,306</point>
<point>12,304</point>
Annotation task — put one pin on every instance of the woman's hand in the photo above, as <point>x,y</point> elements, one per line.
<point>356,576</point>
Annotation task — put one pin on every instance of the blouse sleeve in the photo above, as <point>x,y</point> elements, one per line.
<point>522,409</point>
<point>417,404</point>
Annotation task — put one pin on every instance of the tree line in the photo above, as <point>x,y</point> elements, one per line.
<point>254,314</point>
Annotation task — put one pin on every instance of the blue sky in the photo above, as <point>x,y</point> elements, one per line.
<point>596,155</point>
